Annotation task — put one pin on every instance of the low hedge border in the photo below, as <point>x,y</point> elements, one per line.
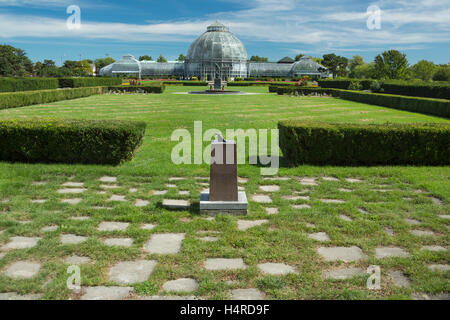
<point>21,99</point>
<point>88,82</point>
<point>137,89</point>
<point>365,145</point>
<point>186,83</point>
<point>27,84</point>
<point>69,141</point>
<point>291,90</point>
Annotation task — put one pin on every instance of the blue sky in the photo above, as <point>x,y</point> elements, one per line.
<point>270,28</point>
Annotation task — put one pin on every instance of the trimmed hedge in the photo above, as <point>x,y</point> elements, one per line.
<point>186,83</point>
<point>27,84</point>
<point>300,90</point>
<point>88,82</point>
<point>138,89</point>
<point>363,145</point>
<point>21,99</point>
<point>69,141</point>
<point>437,107</point>
<point>258,83</point>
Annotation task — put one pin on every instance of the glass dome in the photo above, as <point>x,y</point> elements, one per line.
<point>307,66</point>
<point>128,65</point>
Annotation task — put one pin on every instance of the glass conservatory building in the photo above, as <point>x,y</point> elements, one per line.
<point>217,53</point>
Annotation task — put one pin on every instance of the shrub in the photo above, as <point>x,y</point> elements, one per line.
<point>27,84</point>
<point>376,86</point>
<point>291,90</point>
<point>69,141</point>
<point>137,89</point>
<point>357,144</point>
<point>417,89</point>
<point>355,85</point>
<point>21,99</point>
<point>88,82</point>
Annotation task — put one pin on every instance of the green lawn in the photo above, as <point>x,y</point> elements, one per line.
<point>388,194</point>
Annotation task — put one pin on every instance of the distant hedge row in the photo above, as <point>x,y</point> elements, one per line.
<point>21,99</point>
<point>138,89</point>
<point>257,83</point>
<point>405,88</point>
<point>69,141</point>
<point>357,144</point>
<point>27,84</point>
<point>88,82</point>
<point>300,90</point>
<point>186,83</point>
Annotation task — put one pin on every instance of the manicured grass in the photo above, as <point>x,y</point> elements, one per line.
<point>283,239</point>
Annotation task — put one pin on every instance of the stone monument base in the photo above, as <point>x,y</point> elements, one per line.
<point>213,208</point>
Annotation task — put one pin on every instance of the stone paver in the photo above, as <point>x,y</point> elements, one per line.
<point>389,231</point>
<point>39,183</point>
<point>295,198</point>
<point>353,180</point>
<point>79,218</point>
<point>165,243</point>
<point>21,243</point>
<point>49,229</point>
<point>277,179</point>
<point>242,180</point>
<point>176,204</point>
<point>412,222</point>
<point>437,201</point>
<point>113,226</point>
<point>169,298</point>
<point>73,184</point>
<point>148,226</point>
<point>102,208</point>
<point>330,179</point>
<point>106,293</point>
<point>225,264</point>
<point>276,269</point>
<point>171,186</point>
<point>310,225</point>
<point>176,178</point>
<point>181,285</point>
<point>159,192</point>
<point>400,279</point>
<point>272,188</point>
<point>444,216</point>
<point>184,193</point>
<point>261,198</point>
<point>387,252</point>
<point>363,211</point>
<point>109,186</point>
<point>342,253</point>
<point>38,200</point>
<point>208,239</point>
<point>345,190</point>
<point>77,260</point>
<point>119,242</point>
<point>308,181</point>
<point>15,296</point>
<point>422,233</point>
<point>129,272</point>
<point>271,211</point>
<point>247,224</point>
<point>71,190</point>
<point>301,206</point>
<point>439,267</point>
<point>319,236</point>
<point>22,270</point>
<point>434,248</point>
<point>345,218</point>
<point>72,239</point>
<point>247,294</point>
<point>108,179</point>
<point>332,201</point>
<point>343,273</point>
<point>116,197</point>
<point>133,190</point>
<point>71,201</point>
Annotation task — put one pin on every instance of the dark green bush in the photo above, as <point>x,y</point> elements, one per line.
<point>291,90</point>
<point>138,89</point>
<point>21,99</point>
<point>420,89</point>
<point>335,84</point>
<point>363,145</point>
<point>69,141</point>
<point>186,83</point>
<point>89,82</point>
<point>27,84</point>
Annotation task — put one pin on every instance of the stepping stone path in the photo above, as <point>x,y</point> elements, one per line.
<point>106,293</point>
<point>277,179</point>
<point>113,226</point>
<point>21,243</point>
<point>71,190</point>
<point>165,243</point>
<point>117,198</point>
<point>148,226</point>
<point>388,252</point>
<point>110,186</point>
<point>71,201</point>
<point>169,298</point>
<point>72,239</point>
<point>49,229</point>
<point>129,272</point>
<point>77,260</point>
<point>108,179</point>
<point>101,208</point>
<point>439,267</point>
<point>308,181</point>
<point>181,285</point>
<point>276,269</point>
<point>422,233</point>
<point>242,180</point>
<point>353,180</point>
<point>38,200</point>
<point>260,198</point>
<point>437,201</point>
<point>310,225</point>
<point>176,204</point>
<point>345,218</point>
<point>80,218</point>
<point>133,190</point>
<point>225,264</point>
<point>319,236</point>
<point>346,254</point>
<point>444,216</point>
<point>159,192</point>
<point>344,273</point>
<point>247,294</point>
<point>400,279</point>
<point>15,296</point>
<point>22,270</point>
<point>119,242</point>
<point>171,185</point>
<point>209,239</point>
<point>389,231</point>
<point>271,211</point>
<point>330,179</point>
<point>345,190</point>
<point>295,198</point>
<point>363,211</point>
<point>176,179</point>
<point>301,206</point>
<point>273,188</point>
<point>411,222</point>
<point>332,201</point>
<point>184,193</point>
<point>434,248</point>
<point>73,184</point>
<point>141,203</point>
<point>39,183</point>
<point>247,224</point>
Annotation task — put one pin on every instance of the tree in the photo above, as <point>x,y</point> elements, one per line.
<point>103,62</point>
<point>391,64</point>
<point>259,59</point>
<point>424,70</point>
<point>182,57</point>
<point>14,62</point>
<point>79,68</point>
<point>161,58</point>
<point>299,56</point>
<point>355,62</point>
<point>336,64</point>
<point>365,71</point>
<point>442,73</point>
<point>145,58</point>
